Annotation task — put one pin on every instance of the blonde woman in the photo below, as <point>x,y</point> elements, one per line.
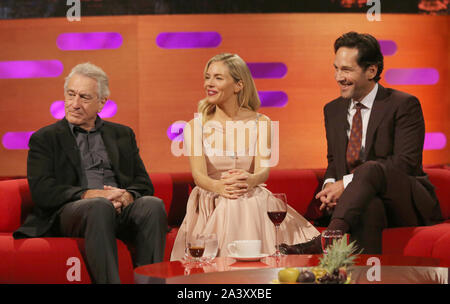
<point>229,145</point>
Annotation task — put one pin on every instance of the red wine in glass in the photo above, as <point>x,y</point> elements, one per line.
<point>277,217</point>
<point>276,211</point>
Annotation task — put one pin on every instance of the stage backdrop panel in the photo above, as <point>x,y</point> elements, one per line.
<point>156,63</point>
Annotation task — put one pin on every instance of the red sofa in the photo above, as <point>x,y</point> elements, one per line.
<point>45,260</point>
<point>301,187</point>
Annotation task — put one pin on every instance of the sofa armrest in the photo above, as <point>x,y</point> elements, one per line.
<point>15,203</point>
<point>440,178</point>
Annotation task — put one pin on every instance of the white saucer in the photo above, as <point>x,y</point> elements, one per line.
<point>249,258</point>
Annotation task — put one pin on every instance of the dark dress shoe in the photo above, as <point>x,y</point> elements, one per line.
<point>311,247</point>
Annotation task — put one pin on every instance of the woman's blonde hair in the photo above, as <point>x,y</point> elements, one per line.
<point>247,97</point>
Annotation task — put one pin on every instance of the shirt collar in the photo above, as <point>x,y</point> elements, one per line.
<point>97,126</point>
<point>368,100</point>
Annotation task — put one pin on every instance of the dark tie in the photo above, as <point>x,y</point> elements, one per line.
<point>354,142</point>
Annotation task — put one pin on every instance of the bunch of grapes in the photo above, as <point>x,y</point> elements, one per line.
<point>339,276</point>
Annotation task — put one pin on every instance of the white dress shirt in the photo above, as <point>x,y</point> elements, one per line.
<point>365,115</point>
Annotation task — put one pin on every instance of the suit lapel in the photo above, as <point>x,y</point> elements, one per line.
<point>379,108</point>
<point>110,142</point>
<point>69,144</point>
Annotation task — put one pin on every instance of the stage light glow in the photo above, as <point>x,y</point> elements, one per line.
<point>30,69</point>
<point>388,47</point>
<point>412,76</point>
<point>16,140</point>
<point>188,40</point>
<point>109,110</point>
<point>276,99</point>
<point>435,141</point>
<point>89,41</point>
<point>267,69</point>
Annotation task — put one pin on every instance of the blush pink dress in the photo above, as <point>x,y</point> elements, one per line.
<point>244,218</point>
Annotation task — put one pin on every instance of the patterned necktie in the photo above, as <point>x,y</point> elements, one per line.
<point>354,142</point>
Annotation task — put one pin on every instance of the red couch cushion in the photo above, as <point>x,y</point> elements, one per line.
<point>440,178</point>
<point>44,260</point>
<point>162,182</point>
<point>300,187</point>
<point>413,241</point>
<point>15,203</point>
<point>441,249</point>
<point>170,240</point>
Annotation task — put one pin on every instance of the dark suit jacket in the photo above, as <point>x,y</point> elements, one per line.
<point>54,171</point>
<point>395,137</point>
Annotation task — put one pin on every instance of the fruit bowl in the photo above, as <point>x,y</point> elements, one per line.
<point>311,275</point>
<point>341,276</point>
<point>332,268</point>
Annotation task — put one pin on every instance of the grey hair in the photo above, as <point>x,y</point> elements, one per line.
<point>92,71</point>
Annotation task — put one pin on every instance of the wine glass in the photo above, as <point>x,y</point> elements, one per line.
<point>211,247</point>
<point>195,247</point>
<point>328,237</point>
<point>276,210</point>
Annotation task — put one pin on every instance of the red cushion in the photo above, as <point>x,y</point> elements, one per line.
<point>170,240</point>
<point>413,241</point>
<point>395,239</point>
<point>6,257</point>
<point>299,186</point>
<point>441,249</point>
<point>15,203</point>
<point>440,178</point>
<point>162,182</point>
<point>44,260</point>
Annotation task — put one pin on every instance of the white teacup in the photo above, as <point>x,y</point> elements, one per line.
<point>245,248</point>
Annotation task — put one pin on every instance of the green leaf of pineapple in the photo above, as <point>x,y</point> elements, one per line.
<point>339,254</point>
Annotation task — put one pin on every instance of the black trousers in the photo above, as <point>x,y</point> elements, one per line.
<point>143,223</point>
<point>378,197</point>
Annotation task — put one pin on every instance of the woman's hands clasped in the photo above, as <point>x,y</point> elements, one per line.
<point>235,183</point>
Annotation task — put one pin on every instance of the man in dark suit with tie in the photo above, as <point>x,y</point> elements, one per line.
<point>375,137</point>
<point>87,180</point>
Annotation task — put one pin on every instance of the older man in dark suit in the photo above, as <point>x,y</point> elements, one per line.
<point>87,180</point>
<point>375,137</point>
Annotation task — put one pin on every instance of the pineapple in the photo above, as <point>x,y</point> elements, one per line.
<point>339,256</point>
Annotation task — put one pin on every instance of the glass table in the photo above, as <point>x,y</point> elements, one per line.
<point>368,269</point>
